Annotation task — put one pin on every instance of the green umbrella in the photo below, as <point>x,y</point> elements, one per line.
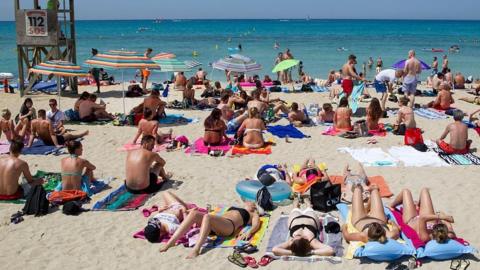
<point>285,64</point>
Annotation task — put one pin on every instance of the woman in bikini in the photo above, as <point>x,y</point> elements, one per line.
<point>304,229</point>
<point>149,126</point>
<point>228,224</point>
<point>351,179</point>
<point>76,170</point>
<point>215,128</point>
<point>341,119</point>
<point>309,172</point>
<point>374,113</point>
<point>372,225</point>
<point>6,125</point>
<point>27,114</point>
<point>251,130</point>
<point>84,96</point>
<point>428,224</point>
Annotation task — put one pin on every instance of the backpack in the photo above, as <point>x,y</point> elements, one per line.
<point>264,199</point>
<point>36,203</point>
<point>325,196</point>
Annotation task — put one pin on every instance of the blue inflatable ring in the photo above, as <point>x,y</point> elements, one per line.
<point>248,190</point>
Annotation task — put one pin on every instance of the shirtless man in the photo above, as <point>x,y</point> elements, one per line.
<point>349,74</point>
<point>444,98</point>
<point>411,71</point>
<point>180,81</point>
<point>445,64</point>
<point>43,129</point>
<point>149,126</point>
<point>6,125</point>
<point>90,111</point>
<point>435,65</point>
<point>379,65</point>
<point>143,167</point>
<point>459,81</point>
<point>154,104</point>
<point>437,80</point>
<point>226,105</point>
<point>296,116</point>
<point>189,96</point>
<point>11,167</point>
<point>459,142</point>
<point>405,117</point>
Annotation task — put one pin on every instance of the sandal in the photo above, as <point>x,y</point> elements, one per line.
<point>251,262</point>
<point>265,260</point>
<point>237,259</point>
<point>464,264</point>
<point>455,264</point>
<point>246,248</point>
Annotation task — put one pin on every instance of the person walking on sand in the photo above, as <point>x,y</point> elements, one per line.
<point>411,71</point>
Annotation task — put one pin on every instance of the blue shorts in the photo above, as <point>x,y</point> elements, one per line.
<point>380,87</point>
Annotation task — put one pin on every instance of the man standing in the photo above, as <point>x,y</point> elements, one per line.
<point>95,72</point>
<point>379,64</point>
<point>349,74</point>
<point>143,167</point>
<point>146,72</point>
<point>11,167</point>
<point>383,81</point>
<point>445,64</point>
<point>56,117</point>
<point>435,65</point>
<point>277,61</point>
<point>411,71</point>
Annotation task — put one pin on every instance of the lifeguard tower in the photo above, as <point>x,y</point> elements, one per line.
<point>45,31</point>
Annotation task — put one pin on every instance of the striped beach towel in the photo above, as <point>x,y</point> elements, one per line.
<point>430,114</point>
<point>121,200</point>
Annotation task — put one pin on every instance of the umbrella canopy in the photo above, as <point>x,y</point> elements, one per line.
<point>164,55</point>
<point>172,65</point>
<point>59,68</point>
<point>285,64</point>
<point>6,75</point>
<point>236,65</point>
<point>192,64</point>
<point>241,57</point>
<point>401,64</point>
<point>120,60</point>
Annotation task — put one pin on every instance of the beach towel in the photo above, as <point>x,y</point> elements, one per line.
<point>455,159</point>
<point>305,187</point>
<point>4,147</point>
<point>121,200</point>
<point>241,150</point>
<point>17,201</point>
<point>40,148</point>
<point>51,179</point>
<point>172,119</point>
<point>91,188</point>
<point>370,156</point>
<point>430,114</point>
<point>288,130</point>
<point>355,96</point>
<point>332,131</point>
<point>130,146</point>
<point>224,242</point>
<point>201,148</point>
<point>319,89</point>
<point>380,132</point>
<point>376,180</point>
<point>413,158</point>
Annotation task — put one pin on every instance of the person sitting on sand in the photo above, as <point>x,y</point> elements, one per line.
<point>257,103</point>
<point>304,235</point>
<point>180,82</point>
<point>89,111</point>
<point>215,128</point>
<point>267,79</point>
<point>308,172</point>
<point>251,130</point>
<point>459,142</point>
<point>341,119</point>
<point>240,100</point>
<point>297,116</point>
<point>422,218</point>
<point>327,114</point>
<point>11,167</point>
<point>471,119</point>
<point>331,78</point>
<point>209,90</point>
<point>372,224</point>
<point>154,104</point>
<point>437,81</point>
<point>218,88</point>
<point>200,76</point>
<point>27,114</point>
<point>56,117</point>
<point>374,113</point>
<point>189,96</point>
<point>76,170</point>
<point>226,225</point>
<point>84,96</point>
<point>43,130</point>
<point>405,117</point>
<point>443,100</point>
<point>351,179</point>
<point>143,168</point>
<point>7,126</point>
<point>149,126</point>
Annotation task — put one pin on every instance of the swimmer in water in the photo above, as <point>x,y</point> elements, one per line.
<point>276,46</point>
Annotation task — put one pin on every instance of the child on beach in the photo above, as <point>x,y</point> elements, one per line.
<point>7,126</point>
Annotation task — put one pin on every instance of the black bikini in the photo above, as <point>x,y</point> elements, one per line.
<point>314,229</point>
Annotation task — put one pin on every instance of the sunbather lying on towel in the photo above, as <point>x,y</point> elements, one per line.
<point>149,126</point>
<point>76,169</point>
<point>305,227</point>
<point>11,167</point>
<point>372,225</point>
<point>326,114</point>
<point>428,224</point>
<point>226,225</point>
<point>459,142</point>
<point>43,129</point>
<point>351,180</point>
<point>309,172</point>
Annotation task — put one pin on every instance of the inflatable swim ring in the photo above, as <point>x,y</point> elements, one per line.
<point>280,191</point>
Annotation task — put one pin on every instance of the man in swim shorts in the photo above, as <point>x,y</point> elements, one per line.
<point>384,80</point>
<point>349,74</point>
<point>143,168</point>
<point>11,167</point>
<point>459,142</point>
<point>411,71</point>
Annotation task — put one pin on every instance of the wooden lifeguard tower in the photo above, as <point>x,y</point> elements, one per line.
<point>44,33</point>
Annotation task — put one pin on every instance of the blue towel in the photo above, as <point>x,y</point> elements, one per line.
<point>39,148</point>
<point>283,131</point>
<point>429,114</point>
<point>279,233</point>
<point>95,186</point>
<point>174,119</point>
<point>319,89</point>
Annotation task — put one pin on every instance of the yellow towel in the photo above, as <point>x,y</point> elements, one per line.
<point>354,245</point>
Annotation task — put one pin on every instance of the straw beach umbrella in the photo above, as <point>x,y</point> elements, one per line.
<point>121,59</point>
<point>59,68</point>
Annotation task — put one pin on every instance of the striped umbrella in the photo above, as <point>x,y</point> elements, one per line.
<point>59,68</point>
<point>192,64</point>
<point>236,65</point>
<point>164,55</point>
<point>172,65</point>
<point>121,59</point>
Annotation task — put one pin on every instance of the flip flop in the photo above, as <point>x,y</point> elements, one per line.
<point>265,260</point>
<point>237,259</point>
<point>148,212</point>
<point>246,248</point>
<point>251,262</point>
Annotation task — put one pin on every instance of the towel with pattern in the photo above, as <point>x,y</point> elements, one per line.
<point>201,148</point>
<point>430,114</point>
<point>121,200</point>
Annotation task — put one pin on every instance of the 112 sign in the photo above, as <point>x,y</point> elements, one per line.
<point>36,23</point>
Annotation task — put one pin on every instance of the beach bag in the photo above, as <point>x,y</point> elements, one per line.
<point>413,136</point>
<point>61,197</point>
<point>264,199</point>
<point>325,196</point>
<point>361,128</point>
<point>36,203</point>
<point>306,88</point>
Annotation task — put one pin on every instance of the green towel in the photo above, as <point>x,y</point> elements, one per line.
<point>51,179</point>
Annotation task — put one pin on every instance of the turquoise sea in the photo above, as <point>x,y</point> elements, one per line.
<point>313,41</point>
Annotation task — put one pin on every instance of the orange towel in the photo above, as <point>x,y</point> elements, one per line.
<point>305,187</point>
<point>238,149</point>
<point>378,180</point>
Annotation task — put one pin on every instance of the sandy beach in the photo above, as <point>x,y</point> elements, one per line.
<point>103,240</point>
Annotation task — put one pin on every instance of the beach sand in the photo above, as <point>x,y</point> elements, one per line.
<point>103,240</point>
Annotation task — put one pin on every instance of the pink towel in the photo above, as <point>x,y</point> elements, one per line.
<point>4,147</point>
<point>331,131</point>
<point>130,147</point>
<point>380,132</point>
<point>201,148</point>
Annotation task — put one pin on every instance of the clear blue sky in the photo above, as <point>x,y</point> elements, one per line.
<point>258,9</point>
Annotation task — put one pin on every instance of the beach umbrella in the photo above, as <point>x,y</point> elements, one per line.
<point>121,59</point>
<point>192,64</point>
<point>172,65</point>
<point>6,75</point>
<point>285,64</point>
<point>164,55</point>
<point>401,64</point>
<point>236,65</point>
<point>244,58</point>
<point>59,68</point>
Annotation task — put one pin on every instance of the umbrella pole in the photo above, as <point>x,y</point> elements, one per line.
<point>59,90</point>
<point>123,93</point>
